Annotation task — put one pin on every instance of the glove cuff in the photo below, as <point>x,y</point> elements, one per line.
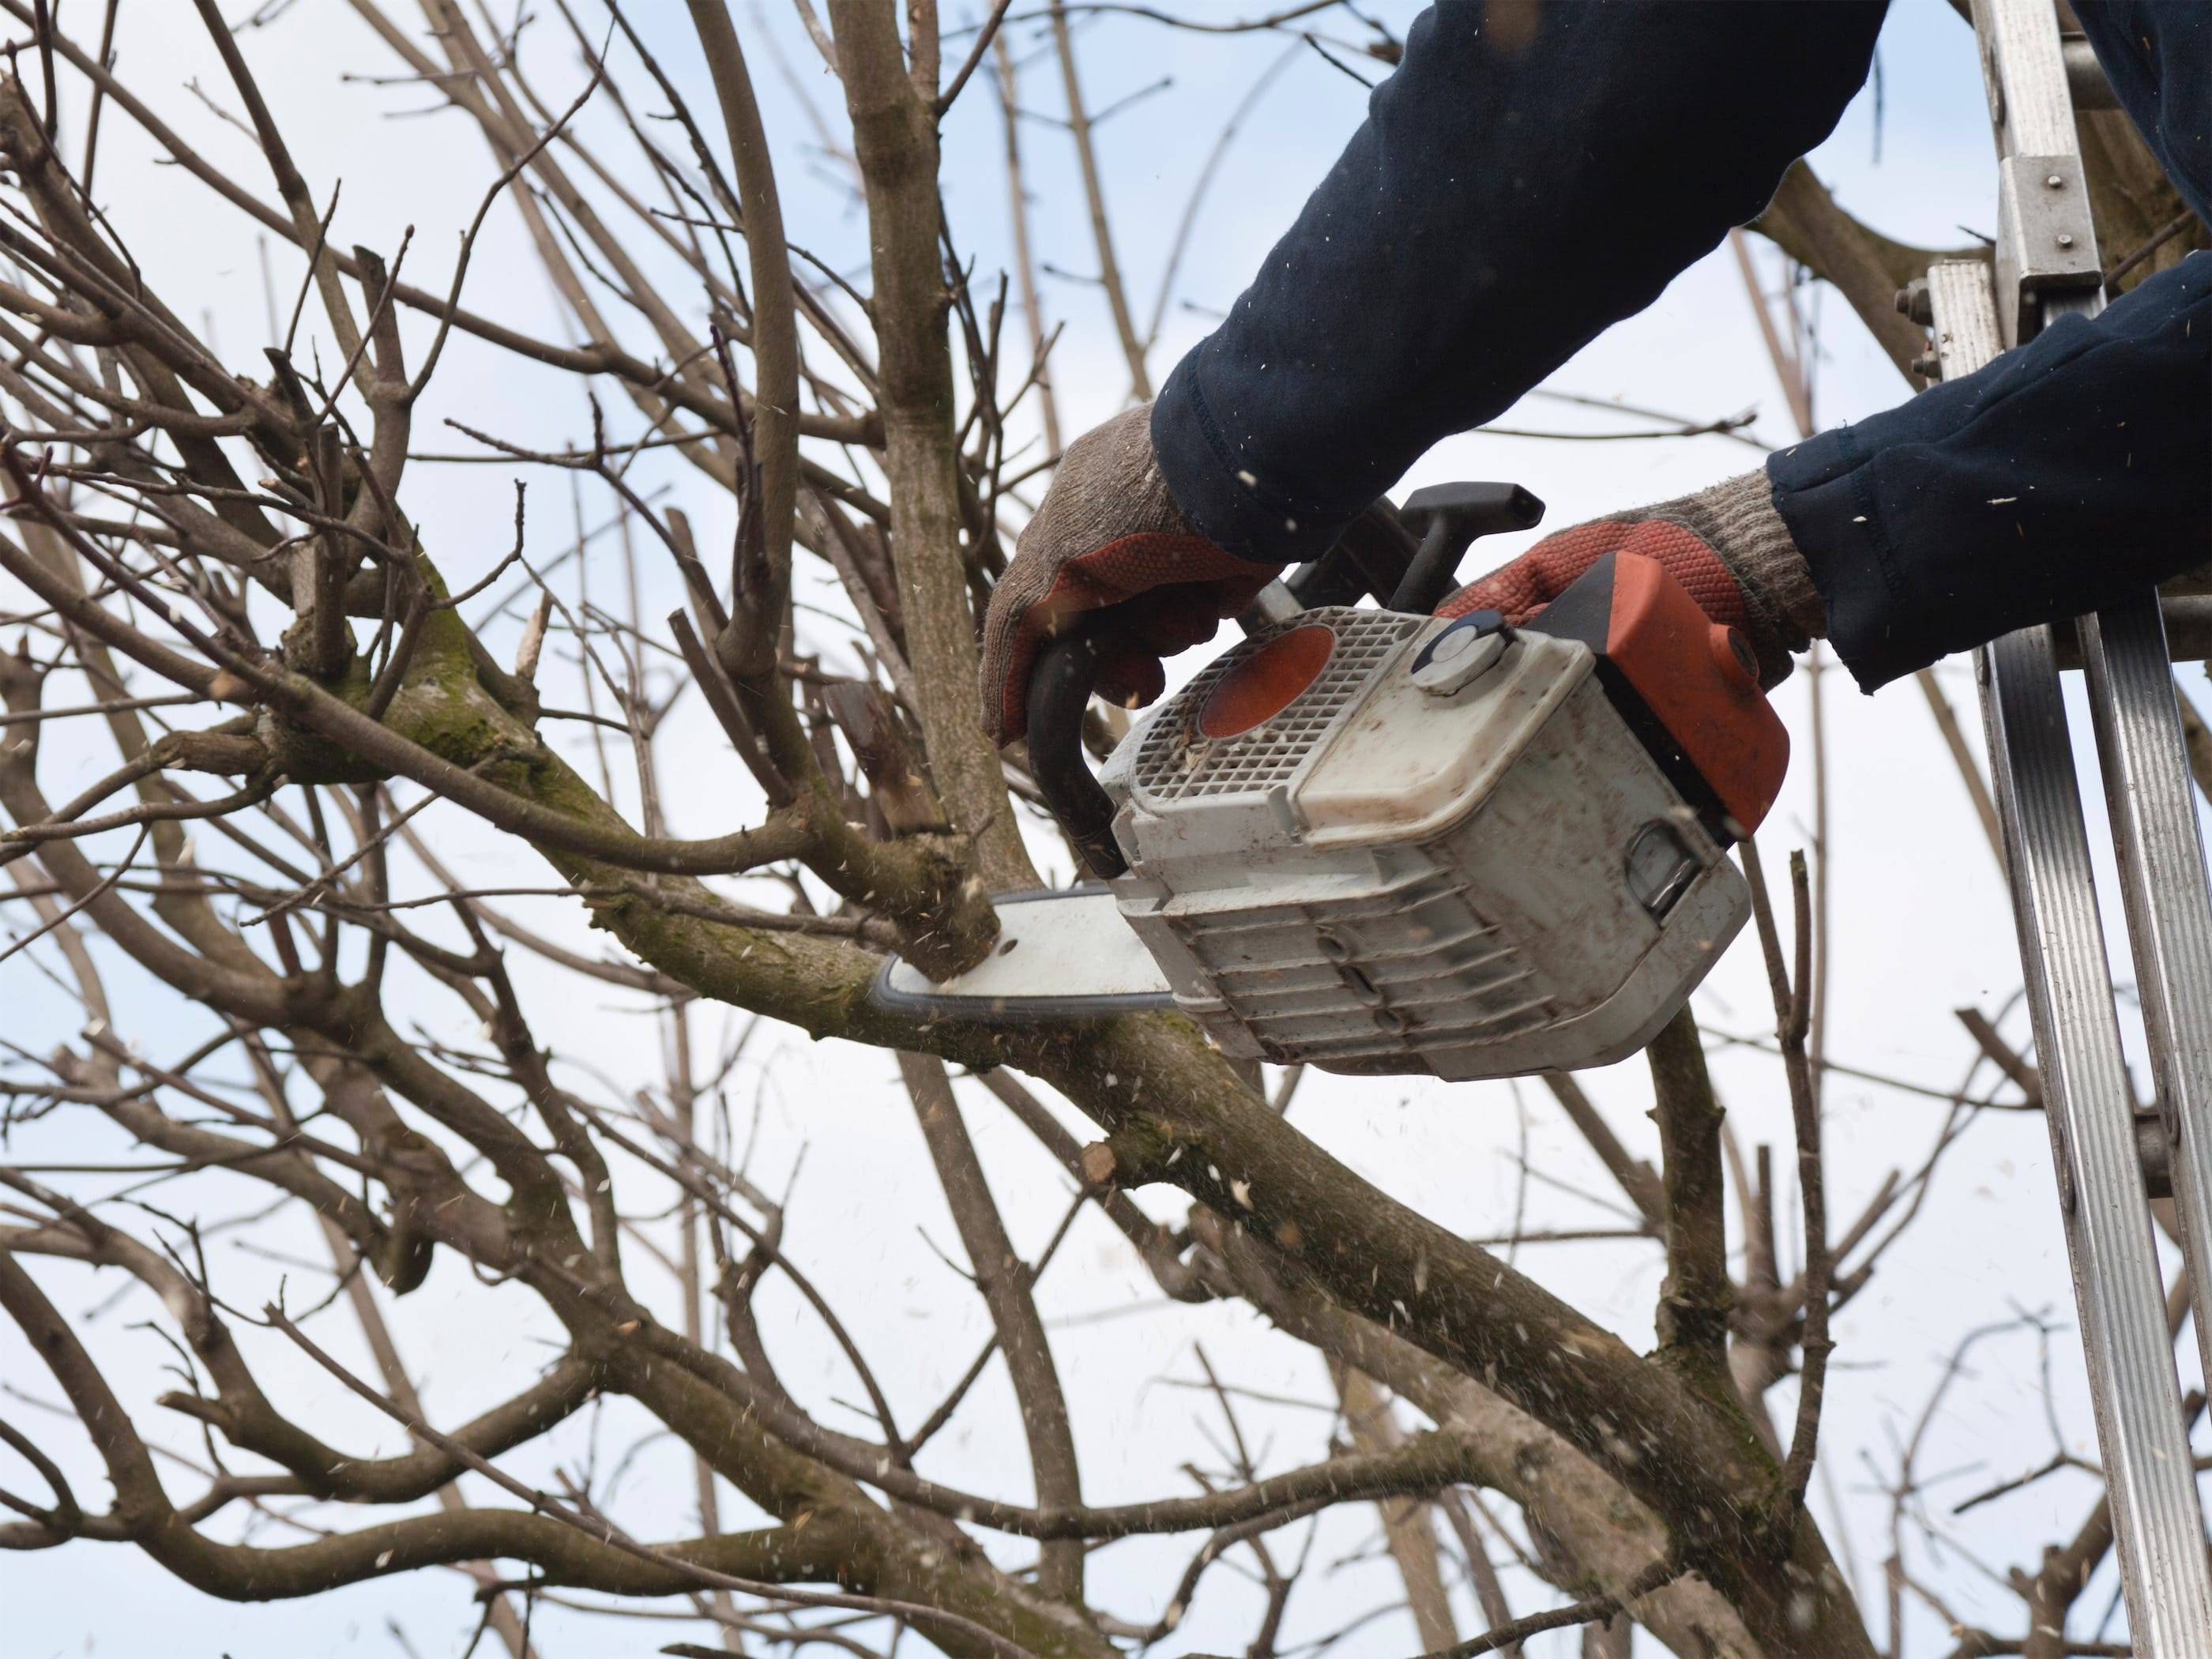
<point>1737,520</point>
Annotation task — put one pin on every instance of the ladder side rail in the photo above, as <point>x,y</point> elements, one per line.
<point>2090,1107</point>
<point>2164,884</point>
<point>2047,244</point>
<point>2047,265</point>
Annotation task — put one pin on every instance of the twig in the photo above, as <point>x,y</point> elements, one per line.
<point>61,917</point>
<point>990,33</point>
<point>1962,756</point>
<point>1006,85</point>
<point>1728,426</point>
<point>1189,222</point>
<point>1722,428</point>
<point>452,307</point>
<point>1787,369</point>
<point>1793,1015</point>
<point>2158,238</point>
<point>773,440</point>
<point>1595,1609</point>
<point>1336,62</point>
<point>112,705</point>
<point>1252,26</point>
<point>1094,193</point>
<point>605,1532</point>
<point>1004,1288</point>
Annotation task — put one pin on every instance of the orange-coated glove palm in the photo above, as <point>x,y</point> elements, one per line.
<point>1726,546</point>
<point>1519,590</point>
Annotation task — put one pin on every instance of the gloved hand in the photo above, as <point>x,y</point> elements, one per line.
<point>1727,546</point>
<point>1108,545</point>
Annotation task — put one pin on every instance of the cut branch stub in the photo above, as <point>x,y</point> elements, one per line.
<point>898,788</point>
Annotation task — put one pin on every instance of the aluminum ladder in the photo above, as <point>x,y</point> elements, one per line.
<point>2045,265</point>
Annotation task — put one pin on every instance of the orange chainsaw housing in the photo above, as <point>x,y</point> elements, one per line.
<point>1687,686</point>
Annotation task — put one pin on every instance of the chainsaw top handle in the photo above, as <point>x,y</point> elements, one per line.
<point>1404,561</point>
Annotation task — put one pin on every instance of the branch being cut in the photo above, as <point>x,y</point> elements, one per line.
<point>895,140</point>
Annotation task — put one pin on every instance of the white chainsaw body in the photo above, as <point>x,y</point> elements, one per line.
<point>1459,861</point>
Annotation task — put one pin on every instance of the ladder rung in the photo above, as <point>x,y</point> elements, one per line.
<point>2188,620</point>
<point>2156,1155</point>
<point>2085,75</point>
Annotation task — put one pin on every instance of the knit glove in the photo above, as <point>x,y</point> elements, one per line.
<point>1110,552</point>
<point>1727,546</point>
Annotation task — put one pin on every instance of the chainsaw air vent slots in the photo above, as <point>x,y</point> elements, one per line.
<point>1178,759</point>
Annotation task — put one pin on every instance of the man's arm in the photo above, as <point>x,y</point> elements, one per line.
<point>2060,478</point>
<point>1506,200</point>
<point>2063,477</point>
<point>1534,171</point>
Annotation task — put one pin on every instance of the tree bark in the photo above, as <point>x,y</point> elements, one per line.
<point>1022,1342</point>
<point>1408,1532</point>
<point>895,140</point>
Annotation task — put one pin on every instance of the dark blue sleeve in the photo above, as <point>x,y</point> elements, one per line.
<point>2158,56</point>
<point>1513,191</point>
<point>2063,477</point>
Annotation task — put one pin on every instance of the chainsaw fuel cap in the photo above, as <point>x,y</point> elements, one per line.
<point>1267,681</point>
<point>1461,654</point>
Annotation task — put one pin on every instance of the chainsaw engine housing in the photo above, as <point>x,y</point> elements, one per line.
<point>1449,852</point>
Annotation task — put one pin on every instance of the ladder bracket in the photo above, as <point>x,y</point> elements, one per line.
<point>2047,243</point>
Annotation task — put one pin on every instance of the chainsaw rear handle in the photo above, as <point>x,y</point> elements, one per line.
<point>1377,556</point>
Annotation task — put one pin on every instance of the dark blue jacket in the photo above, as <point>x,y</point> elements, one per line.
<point>1507,199</point>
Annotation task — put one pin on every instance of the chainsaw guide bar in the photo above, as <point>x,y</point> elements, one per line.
<point>1066,936</point>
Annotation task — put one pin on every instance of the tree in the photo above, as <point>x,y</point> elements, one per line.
<point>218,577</point>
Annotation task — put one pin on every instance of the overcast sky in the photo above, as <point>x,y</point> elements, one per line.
<point>1921,926</point>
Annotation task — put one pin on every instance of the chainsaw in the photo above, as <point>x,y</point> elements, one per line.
<point>1374,840</point>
